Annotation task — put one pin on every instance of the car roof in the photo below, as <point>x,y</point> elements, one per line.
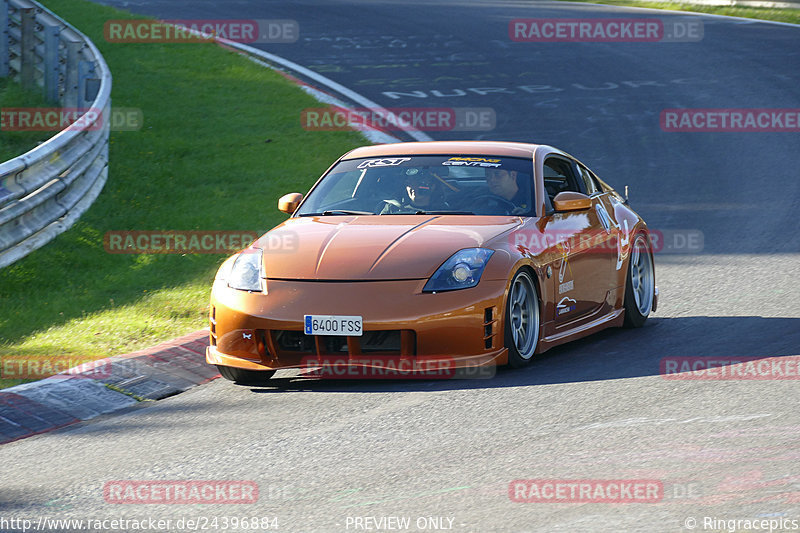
<point>496,148</point>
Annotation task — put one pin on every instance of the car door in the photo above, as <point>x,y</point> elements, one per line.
<point>615,234</point>
<point>583,271</point>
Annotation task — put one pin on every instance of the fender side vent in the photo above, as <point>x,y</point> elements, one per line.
<point>488,327</point>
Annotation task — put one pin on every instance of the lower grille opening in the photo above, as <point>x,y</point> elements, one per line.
<point>335,345</point>
<point>380,342</point>
<point>294,341</point>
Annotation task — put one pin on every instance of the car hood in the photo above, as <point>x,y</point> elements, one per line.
<point>384,247</point>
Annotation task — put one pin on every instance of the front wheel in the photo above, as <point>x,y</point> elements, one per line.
<point>245,377</point>
<point>640,284</point>
<point>522,320</point>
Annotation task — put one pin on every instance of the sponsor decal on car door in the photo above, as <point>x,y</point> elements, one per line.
<point>585,267</point>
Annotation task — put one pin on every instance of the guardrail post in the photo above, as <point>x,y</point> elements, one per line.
<point>4,44</point>
<point>70,97</point>
<point>88,84</point>
<point>50,62</point>
<point>27,64</point>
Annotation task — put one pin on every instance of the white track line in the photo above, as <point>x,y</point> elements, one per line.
<point>373,135</point>
<point>326,82</point>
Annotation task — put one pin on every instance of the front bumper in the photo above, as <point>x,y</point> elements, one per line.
<point>402,326</point>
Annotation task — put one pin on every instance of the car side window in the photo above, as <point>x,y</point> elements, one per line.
<point>588,180</point>
<point>559,177</point>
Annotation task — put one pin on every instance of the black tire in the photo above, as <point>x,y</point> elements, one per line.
<point>640,283</point>
<point>522,320</point>
<point>245,377</point>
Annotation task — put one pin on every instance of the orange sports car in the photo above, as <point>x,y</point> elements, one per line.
<point>429,259</point>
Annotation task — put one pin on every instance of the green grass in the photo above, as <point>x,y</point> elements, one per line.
<point>14,143</point>
<point>201,162</point>
<point>780,15</point>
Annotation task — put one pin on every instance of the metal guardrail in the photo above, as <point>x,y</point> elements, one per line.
<point>44,191</point>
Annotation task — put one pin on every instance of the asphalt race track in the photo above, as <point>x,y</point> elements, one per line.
<point>444,454</point>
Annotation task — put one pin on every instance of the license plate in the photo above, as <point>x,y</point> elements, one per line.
<point>332,325</point>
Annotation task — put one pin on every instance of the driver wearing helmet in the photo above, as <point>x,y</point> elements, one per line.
<point>424,191</point>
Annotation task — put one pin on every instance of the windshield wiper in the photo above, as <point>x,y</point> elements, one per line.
<point>336,212</point>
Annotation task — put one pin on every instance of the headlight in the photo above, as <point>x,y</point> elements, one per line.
<point>461,271</point>
<point>245,274</point>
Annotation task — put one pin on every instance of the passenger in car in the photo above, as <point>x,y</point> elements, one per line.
<point>505,183</point>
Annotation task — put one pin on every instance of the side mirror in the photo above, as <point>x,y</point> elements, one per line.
<point>288,202</point>
<point>571,201</point>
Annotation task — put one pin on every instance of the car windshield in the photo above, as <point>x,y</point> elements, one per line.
<point>403,185</point>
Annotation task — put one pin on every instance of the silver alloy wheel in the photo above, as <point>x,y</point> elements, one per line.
<point>523,310</point>
<point>641,266</point>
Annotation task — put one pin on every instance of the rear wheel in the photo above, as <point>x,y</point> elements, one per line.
<point>640,285</point>
<point>522,320</point>
<point>245,377</point>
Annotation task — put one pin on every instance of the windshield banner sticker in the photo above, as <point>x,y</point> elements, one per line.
<point>386,162</point>
<point>472,162</point>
